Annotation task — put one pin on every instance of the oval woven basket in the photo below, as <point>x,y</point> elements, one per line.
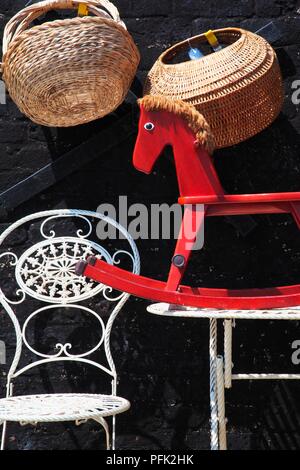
<point>71,71</point>
<point>237,89</point>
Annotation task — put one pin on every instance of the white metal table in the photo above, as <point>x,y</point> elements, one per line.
<point>221,376</point>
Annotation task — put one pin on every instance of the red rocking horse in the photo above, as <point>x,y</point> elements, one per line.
<point>168,122</point>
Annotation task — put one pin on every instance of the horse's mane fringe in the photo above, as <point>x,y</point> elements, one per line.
<point>195,120</point>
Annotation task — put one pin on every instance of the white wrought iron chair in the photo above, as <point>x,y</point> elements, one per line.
<point>46,280</point>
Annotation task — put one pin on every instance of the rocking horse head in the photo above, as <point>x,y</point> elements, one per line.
<point>164,122</point>
<point>172,122</point>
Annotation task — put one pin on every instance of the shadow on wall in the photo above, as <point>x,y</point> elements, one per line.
<point>164,363</point>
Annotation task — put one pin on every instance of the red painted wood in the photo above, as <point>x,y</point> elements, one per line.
<point>195,169</point>
<point>240,198</point>
<point>198,184</point>
<point>246,299</point>
<point>191,224</point>
<point>229,208</point>
<point>295,206</point>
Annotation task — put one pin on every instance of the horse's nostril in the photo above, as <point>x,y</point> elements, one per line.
<point>149,126</point>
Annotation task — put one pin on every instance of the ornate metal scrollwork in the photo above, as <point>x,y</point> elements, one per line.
<point>19,292</point>
<point>63,350</point>
<point>47,270</point>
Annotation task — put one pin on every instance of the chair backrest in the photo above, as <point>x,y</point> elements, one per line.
<point>40,280</point>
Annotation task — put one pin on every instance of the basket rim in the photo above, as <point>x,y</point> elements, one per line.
<point>66,22</point>
<point>186,42</point>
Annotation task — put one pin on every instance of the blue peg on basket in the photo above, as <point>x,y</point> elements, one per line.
<point>195,53</point>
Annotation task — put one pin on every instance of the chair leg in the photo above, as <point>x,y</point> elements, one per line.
<point>113,444</point>
<point>106,429</point>
<point>3,435</point>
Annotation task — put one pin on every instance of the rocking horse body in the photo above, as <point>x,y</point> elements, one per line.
<point>166,122</point>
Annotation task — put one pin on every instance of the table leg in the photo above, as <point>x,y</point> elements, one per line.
<point>221,404</point>
<point>214,439</point>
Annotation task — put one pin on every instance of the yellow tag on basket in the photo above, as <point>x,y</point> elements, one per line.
<point>83,9</point>
<point>212,38</point>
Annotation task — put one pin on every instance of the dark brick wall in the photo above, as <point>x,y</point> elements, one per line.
<point>163,363</point>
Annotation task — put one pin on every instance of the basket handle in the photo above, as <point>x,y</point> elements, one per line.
<point>22,20</point>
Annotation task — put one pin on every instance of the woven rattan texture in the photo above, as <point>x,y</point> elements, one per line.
<point>70,71</point>
<point>238,89</point>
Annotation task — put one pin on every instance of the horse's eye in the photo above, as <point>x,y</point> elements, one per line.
<point>149,126</point>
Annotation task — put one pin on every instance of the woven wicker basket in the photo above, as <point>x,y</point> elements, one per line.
<point>238,89</point>
<point>70,71</point>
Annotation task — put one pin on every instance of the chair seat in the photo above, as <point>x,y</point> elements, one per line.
<point>60,407</point>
